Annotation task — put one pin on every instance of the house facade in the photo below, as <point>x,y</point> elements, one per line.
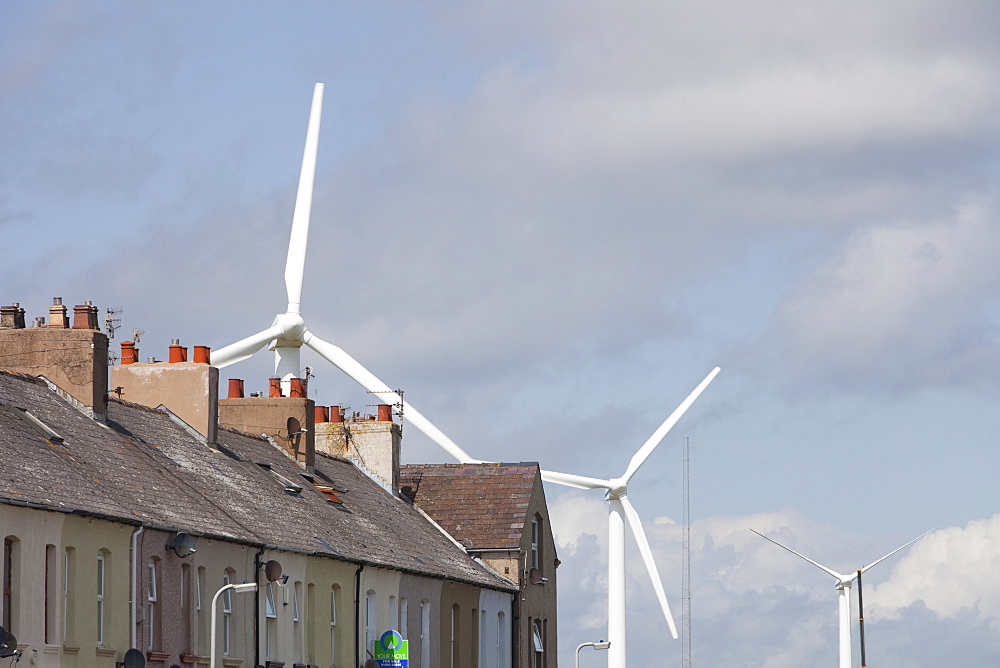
<point>125,516</point>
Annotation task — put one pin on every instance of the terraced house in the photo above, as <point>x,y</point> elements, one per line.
<point>126,516</point>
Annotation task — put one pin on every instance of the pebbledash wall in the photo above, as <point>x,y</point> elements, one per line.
<point>99,486</point>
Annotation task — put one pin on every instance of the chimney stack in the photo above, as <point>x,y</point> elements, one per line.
<point>74,360</point>
<point>85,316</point>
<point>374,442</point>
<point>57,314</point>
<point>190,390</point>
<point>12,317</point>
<point>273,416</point>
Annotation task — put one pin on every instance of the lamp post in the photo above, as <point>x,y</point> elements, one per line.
<point>238,588</point>
<point>603,644</point>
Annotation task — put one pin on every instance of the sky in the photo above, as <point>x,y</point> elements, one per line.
<point>546,222</point>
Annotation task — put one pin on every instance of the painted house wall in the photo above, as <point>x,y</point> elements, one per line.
<point>73,620</point>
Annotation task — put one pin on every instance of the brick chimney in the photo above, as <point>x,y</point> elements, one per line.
<point>75,360</point>
<point>289,421</point>
<point>372,442</point>
<point>189,389</point>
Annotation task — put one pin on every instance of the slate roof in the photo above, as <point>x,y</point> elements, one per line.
<point>485,503</point>
<point>142,467</point>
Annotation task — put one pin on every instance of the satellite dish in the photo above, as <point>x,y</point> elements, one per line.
<point>134,659</point>
<point>272,571</point>
<point>294,427</point>
<point>182,544</point>
<point>8,643</point>
<point>535,577</point>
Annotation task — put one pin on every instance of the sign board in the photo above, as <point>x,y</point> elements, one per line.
<point>391,651</point>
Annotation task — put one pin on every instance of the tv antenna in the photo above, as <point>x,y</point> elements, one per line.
<point>137,334</point>
<point>112,321</point>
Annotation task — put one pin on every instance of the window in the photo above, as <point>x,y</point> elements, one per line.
<point>535,542</point>
<point>51,589</point>
<point>296,619</point>
<point>186,608</point>
<point>152,607</point>
<point>425,634</point>
<point>10,578</point>
<point>227,612</point>
<point>100,598</point>
<point>404,615</point>
<point>501,640</point>
<point>538,657</point>
<point>333,622</point>
<point>454,637</point>
<point>393,612</point>
<point>271,622</point>
<point>202,612</point>
<point>67,593</point>
<point>371,620</point>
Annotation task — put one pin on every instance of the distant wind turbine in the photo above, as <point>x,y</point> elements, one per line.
<point>844,587</point>
<point>288,333</point>
<point>616,495</point>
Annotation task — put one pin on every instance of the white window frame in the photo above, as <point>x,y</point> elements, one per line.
<point>227,611</point>
<point>100,598</point>
<point>151,599</point>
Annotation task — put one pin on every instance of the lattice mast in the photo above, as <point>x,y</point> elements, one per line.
<point>686,561</point>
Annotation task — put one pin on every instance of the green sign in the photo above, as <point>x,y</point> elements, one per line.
<point>391,651</point>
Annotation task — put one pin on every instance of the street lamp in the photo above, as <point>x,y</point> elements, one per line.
<point>272,571</point>
<point>602,644</point>
<point>238,588</point>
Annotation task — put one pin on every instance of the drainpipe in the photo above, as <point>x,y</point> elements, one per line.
<point>256,607</point>
<point>357,615</point>
<point>135,577</point>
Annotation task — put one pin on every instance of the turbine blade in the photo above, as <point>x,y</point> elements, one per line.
<point>816,564</point>
<point>647,448</point>
<point>296,261</point>
<point>897,550</point>
<point>336,356</point>
<point>578,481</point>
<point>239,351</point>
<point>647,556</point>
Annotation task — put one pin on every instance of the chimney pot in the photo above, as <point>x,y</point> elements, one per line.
<point>297,388</point>
<point>321,414</point>
<point>40,321</point>
<point>202,355</point>
<point>130,355</point>
<point>12,317</point>
<point>384,413</point>
<point>275,388</point>
<point>57,301</point>
<point>335,414</point>
<point>178,353</point>
<point>235,388</point>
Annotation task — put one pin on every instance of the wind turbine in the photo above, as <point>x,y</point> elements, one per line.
<point>288,333</point>
<point>616,495</point>
<point>844,583</point>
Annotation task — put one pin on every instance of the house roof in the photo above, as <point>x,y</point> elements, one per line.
<point>142,467</point>
<point>485,504</point>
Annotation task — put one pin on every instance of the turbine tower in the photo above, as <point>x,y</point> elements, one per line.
<point>288,333</point>
<point>620,510</point>
<point>844,583</point>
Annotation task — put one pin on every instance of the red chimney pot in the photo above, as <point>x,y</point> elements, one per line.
<point>335,414</point>
<point>178,353</point>
<point>202,355</point>
<point>130,354</point>
<point>235,388</point>
<point>297,388</point>
<point>275,388</point>
<point>384,413</point>
<point>321,413</point>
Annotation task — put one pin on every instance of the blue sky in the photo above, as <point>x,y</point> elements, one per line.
<point>546,222</point>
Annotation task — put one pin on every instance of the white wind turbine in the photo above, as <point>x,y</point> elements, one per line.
<point>617,496</point>
<point>844,583</point>
<point>288,333</point>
